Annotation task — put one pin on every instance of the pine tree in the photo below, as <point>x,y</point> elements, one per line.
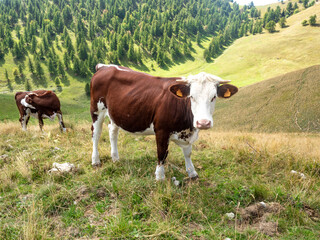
<point>9,85</point>
<point>76,65</point>
<point>58,85</point>
<point>31,68</point>
<point>130,54</point>
<point>198,40</point>
<point>6,74</point>
<point>66,60</point>
<point>39,69</point>
<point>87,89</point>
<point>27,85</point>
<point>52,67</point>
<point>313,20</point>
<point>61,69</point>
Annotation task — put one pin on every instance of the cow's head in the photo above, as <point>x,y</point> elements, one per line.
<point>27,101</point>
<point>203,89</point>
<point>29,98</point>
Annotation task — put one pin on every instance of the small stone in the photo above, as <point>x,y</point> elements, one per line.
<point>230,215</point>
<point>263,204</point>
<point>175,181</point>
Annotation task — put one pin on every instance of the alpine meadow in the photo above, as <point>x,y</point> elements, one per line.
<point>256,162</point>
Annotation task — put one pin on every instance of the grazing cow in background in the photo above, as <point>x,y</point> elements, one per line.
<point>171,108</point>
<point>39,104</point>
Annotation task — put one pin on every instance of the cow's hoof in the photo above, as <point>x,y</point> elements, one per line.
<point>95,165</point>
<point>194,178</point>
<point>115,158</point>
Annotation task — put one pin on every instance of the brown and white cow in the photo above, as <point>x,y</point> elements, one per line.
<point>171,108</point>
<point>39,104</point>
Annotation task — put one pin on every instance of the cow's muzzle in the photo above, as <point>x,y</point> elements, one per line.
<point>203,124</point>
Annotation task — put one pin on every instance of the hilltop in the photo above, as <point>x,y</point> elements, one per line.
<point>258,57</point>
<point>286,103</point>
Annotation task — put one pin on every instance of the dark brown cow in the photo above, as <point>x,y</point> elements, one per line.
<point>39,104</point>
<point>171,108</point>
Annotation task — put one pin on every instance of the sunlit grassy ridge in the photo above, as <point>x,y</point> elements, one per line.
<point>288,103</point>
<point>122,200</point>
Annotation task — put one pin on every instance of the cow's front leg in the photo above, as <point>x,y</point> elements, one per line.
<point>189,165</point>
<point>96,128</point>
<point>24,121</point>
<point>162,139</point>
<point>113,135</point>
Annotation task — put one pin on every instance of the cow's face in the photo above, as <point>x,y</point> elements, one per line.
<point>203,90</point>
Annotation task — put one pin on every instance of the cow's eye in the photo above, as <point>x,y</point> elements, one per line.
<point>213,98</point>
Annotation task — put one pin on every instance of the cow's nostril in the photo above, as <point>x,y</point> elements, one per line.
<point>203,123</point>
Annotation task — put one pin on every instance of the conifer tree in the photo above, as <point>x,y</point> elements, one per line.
<point>66,60</point>
<point>9,85</point>
<point>31,67</point>
<point>87,89</point>
<point>27,85</point>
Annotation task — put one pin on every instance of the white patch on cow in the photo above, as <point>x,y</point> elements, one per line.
<point>113,135</point>
<point>203,93</point>
<point>160,173</point>
<point>97,129</point>
<point>147,131</point>
<point>99,65</point>
<point>24,103</point>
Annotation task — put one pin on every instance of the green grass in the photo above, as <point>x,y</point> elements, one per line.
<point>122,200</point>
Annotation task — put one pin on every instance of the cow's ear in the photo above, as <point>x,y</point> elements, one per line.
<point>226,90</point>
<point>180,90</point>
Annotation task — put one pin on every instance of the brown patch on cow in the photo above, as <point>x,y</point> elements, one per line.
<point>257,216</point>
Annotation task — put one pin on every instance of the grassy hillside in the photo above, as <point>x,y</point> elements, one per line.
<point>259,57</point>
<point>123,201</point>
<point>289,103</point>
<point>249,60</point>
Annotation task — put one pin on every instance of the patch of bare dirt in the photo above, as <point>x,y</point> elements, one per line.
<point>257,216</point>
<point>82,193</point>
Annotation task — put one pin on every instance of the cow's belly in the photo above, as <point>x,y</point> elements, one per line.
<point>147,131</point>
<point>35,114</point>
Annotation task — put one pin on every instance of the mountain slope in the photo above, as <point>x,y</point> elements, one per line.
<point>287,103</point>
<point>255,58</point>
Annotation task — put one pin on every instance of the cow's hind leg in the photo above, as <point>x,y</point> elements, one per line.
<point>40,121</point>
<point>97,123</point>
<point>113,134</point>
<point>62,126</point>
